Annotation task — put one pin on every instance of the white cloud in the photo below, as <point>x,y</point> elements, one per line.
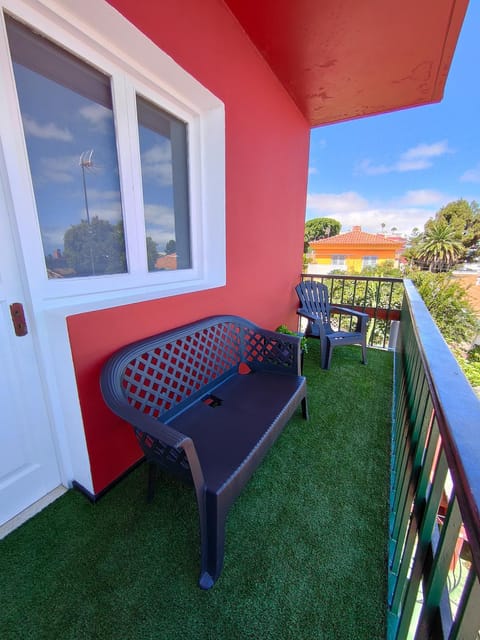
<point>328,204</point>
<point>157,164</point>
<point>157,215</point>
<point>422,151</point>
<point>113,213</point>
<point>367,168</point>
<point>312,171</point>
<point>409,210</point>
<point>53,237</point>
<point>48,131</point>
<point>104,195</point>
<point>472,175</point>
<point>59,169</point>
<point>414,159</point>
<point>160,224</point>
<point>96,115</point>
<point>423,198</point>
<point>412,164</point>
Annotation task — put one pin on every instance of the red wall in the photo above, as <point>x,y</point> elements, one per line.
<point>266,176</point>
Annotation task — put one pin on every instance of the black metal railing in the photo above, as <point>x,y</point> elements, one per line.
<point>380,297</point>
<point>434,549</point>
<point>434,555</point>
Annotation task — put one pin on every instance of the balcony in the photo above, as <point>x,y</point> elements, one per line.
<point>313,548</point>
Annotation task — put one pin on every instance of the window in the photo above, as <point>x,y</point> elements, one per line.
<point>369,261</point>
<point>68,122</point>
<point>338,261</point>
<point>127,197</point>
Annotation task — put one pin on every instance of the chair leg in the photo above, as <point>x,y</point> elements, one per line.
<point>328,355</point>
<point>364,352</point>
<point>324,349</point>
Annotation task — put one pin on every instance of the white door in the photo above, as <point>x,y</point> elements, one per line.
<point>28,462</point>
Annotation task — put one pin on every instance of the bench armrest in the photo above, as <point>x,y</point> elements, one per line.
<point>165,434</point>
<point>275,352</point>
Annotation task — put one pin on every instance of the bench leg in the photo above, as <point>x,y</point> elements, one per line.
<point>305,408</point>
<point>152,474</point>
<point>212,531</point>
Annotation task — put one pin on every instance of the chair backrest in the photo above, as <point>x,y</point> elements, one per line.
<point>313,298</point>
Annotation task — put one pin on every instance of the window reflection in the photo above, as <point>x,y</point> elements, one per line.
<point>163,150</point>
<point>66,109</point>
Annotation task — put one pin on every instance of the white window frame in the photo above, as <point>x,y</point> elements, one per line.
<point>136,66</point>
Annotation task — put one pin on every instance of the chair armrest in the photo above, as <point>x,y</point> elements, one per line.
<point>352,312</point>
<point>307,314</point>
<point>362,318</point>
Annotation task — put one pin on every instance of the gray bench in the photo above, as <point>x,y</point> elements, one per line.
<point>207,401</point>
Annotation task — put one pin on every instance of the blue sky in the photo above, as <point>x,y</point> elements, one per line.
<point>401,168</point>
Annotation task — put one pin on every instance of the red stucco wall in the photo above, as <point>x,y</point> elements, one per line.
<point>266,175</point>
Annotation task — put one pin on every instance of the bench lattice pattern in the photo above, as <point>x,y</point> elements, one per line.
<point>157,380</point>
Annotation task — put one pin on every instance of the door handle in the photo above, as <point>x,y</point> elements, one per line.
<point>18,319</point>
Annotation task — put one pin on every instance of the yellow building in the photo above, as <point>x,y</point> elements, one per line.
<point>353,251</point>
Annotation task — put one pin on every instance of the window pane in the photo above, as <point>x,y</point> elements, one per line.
<point>370,261</point>
<point>66,108</point>
<point>163,150</point>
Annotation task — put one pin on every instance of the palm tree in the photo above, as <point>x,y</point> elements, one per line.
<point>439,246</point>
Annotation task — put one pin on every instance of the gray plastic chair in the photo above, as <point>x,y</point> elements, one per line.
<point>315,307</point>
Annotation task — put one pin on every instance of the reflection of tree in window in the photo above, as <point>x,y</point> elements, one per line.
<point>99,242</point>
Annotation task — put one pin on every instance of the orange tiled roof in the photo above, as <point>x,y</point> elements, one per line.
<point>167,262</point>
<point>357,236</point>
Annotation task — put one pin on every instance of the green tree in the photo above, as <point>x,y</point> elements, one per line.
<point>464,219</point>
<point>170,247</point>
<point>320,228</point>
<point>448,304</point>
<point>152,253</point>
<point>97,248</point>
<point>440,246</point>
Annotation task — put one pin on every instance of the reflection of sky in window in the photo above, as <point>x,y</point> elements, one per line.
<point>156,157</point>
<point>59,126</point>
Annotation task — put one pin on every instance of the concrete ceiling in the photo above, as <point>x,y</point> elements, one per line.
<point>344,59</point>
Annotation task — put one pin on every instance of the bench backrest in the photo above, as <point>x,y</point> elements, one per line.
<point>162,374</point>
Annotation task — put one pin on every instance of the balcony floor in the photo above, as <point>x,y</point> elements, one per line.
<point>306,542</point>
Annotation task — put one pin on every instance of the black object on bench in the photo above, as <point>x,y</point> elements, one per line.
<point>207,401</point>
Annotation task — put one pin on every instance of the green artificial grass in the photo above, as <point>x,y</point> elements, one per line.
<point>306,541</point>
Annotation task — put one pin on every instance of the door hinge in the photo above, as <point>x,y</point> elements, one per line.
<point>18,319</point>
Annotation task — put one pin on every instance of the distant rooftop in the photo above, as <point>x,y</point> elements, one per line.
<point>358,237</point>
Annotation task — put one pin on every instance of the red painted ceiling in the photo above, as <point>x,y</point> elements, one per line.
<point>343,59</point>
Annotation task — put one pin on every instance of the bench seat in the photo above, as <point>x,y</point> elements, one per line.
<point>254,406</point>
